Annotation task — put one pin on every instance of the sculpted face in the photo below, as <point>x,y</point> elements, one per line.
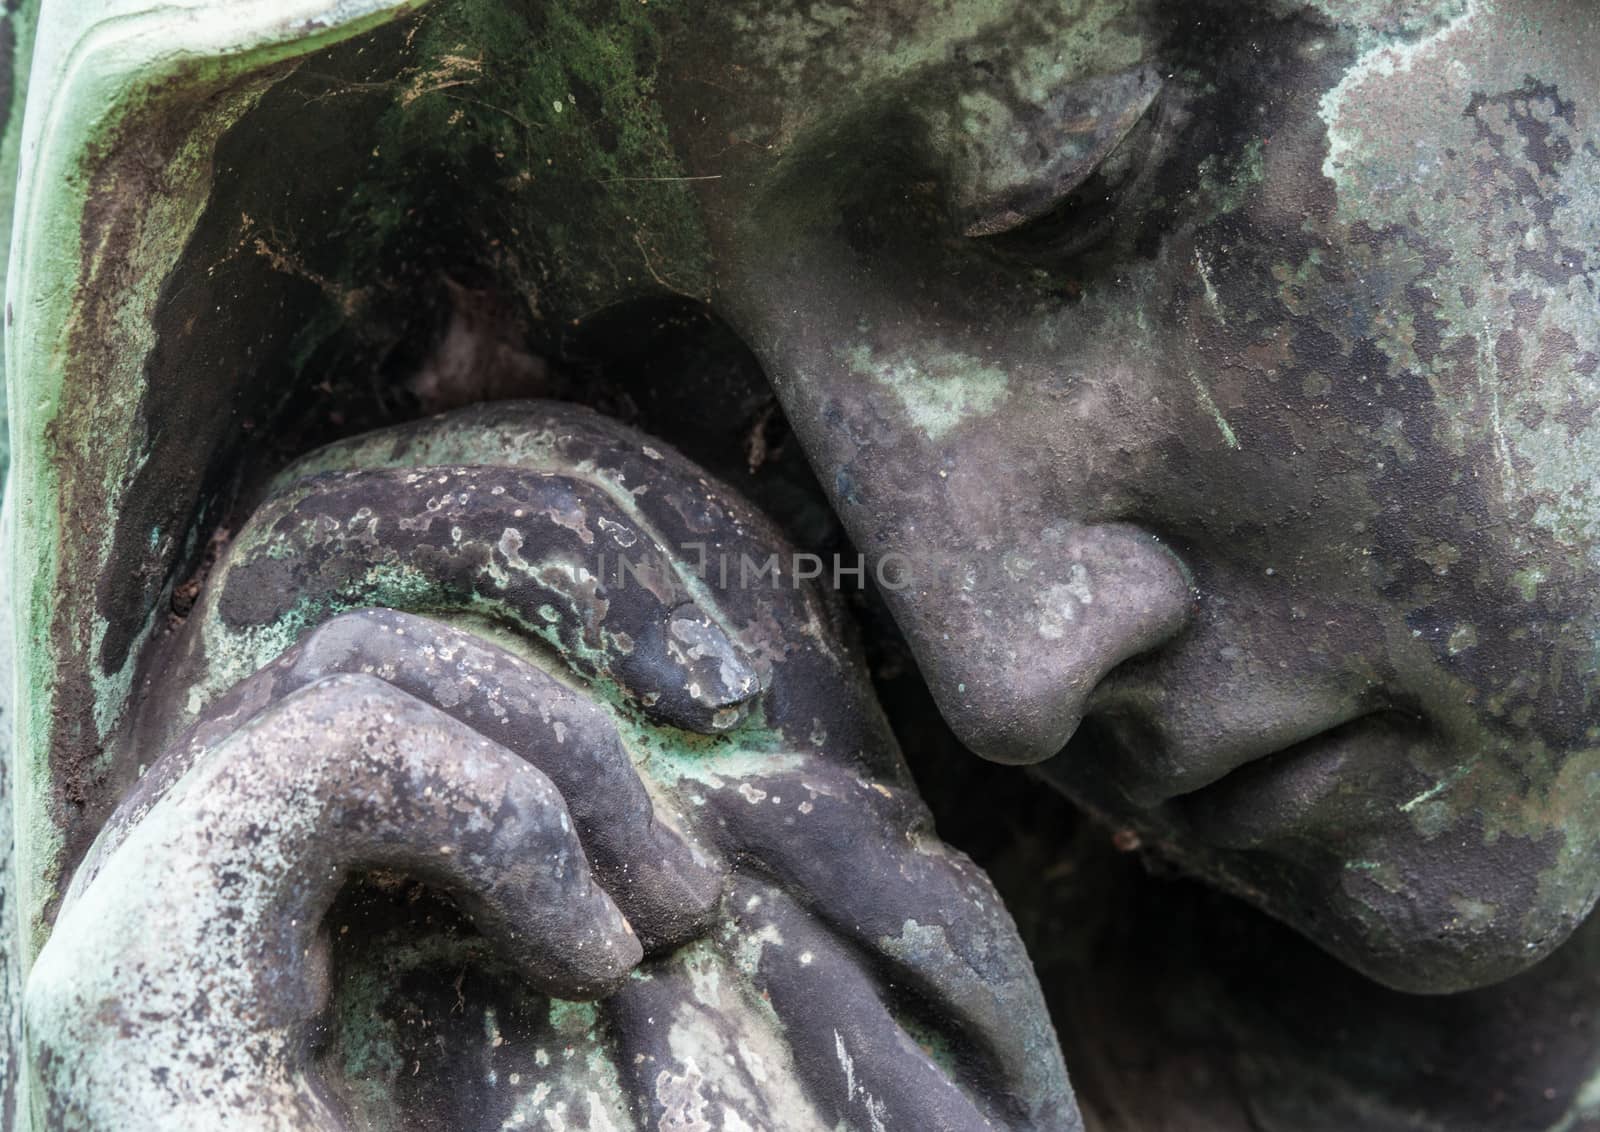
<point>1217,385</point>
<point>1212,384</point>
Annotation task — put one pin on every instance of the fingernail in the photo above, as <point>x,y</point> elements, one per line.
<point>719,676</point>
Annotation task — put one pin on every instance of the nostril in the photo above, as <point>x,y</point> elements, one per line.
<point>1013,659</point>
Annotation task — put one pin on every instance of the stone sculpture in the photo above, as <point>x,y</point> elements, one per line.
<point>816,955</point>
<point>1209,387</point>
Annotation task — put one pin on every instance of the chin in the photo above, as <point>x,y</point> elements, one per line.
<point>1442,961</point>
<point>1424,937</point>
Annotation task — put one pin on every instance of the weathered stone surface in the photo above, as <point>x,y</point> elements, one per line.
<point>812,953</point>
<point>1228,370</point>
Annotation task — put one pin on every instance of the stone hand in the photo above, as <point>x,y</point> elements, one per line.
<point>187,969</point>
<point>813,954</point>
<point>551,527</point>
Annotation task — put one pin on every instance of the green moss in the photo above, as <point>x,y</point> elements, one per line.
<point>573,1019</point>
<point>536,138</point>
<point>1226,180</point>
<point>369,1046</point>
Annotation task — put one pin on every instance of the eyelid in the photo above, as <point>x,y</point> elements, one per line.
<point>1078,128</point>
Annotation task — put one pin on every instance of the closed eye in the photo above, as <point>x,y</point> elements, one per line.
<point>1067,204</point>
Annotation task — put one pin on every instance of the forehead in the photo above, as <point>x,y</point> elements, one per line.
<point>804,46</point>
<point>800,62</point>
<point>1399,93</point>
<point>875,41</point>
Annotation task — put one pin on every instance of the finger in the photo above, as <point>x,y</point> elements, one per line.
<point>350,773</point>
<point>860,852</point>
<point>665,890</point>
<point>700,1031</point>
<point>745,569</point>
<point>183,980</point>
<point>857,1062</point>
<point>697,1047</point>
<point>550,555</point>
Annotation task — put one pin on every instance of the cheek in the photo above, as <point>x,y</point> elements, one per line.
<point>1467,192</point>
<point>1443,470</point>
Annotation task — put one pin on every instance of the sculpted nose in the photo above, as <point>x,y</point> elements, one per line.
<point>966,443</point>
<point>1012,649</point>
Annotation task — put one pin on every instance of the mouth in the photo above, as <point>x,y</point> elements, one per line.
<point>1329,779</point>
<point>1342,779</point>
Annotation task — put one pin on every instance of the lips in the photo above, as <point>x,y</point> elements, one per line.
<point>1290,778</point>
<point>1336,782</point>
<point>1164,755</point>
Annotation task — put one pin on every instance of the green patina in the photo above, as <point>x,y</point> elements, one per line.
<point>97,234</point>
<point>937,390</point>
<point>540,130</point>
<point>1226,181</point>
